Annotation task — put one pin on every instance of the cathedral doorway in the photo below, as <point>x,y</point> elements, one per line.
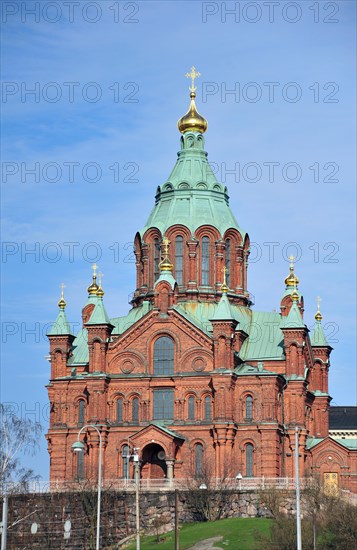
<point>153,462</point>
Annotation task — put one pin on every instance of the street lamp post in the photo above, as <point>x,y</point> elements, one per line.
<point>78,447</point>
<point>137,502</point>
<point>297,482</point>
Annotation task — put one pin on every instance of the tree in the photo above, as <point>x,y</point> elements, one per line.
<point>209,497</point>
<point>19,436</point>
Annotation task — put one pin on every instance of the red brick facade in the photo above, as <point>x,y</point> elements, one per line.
<point>233,409</point>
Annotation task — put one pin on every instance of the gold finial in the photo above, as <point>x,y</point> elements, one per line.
<point>100,291</point>
<point>224,286</point>
<point>192,75</point>
<point>295,294</point>
<point>165,264</point>
<point>318,315</point>
<point>93,288</point>
<point>192,121</point>
<point>62,303</point>
<point>291,280</point>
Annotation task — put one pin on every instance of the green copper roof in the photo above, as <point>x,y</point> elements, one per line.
<point>121,324</point>
<point>60,326</point>
<point>265,338</point>
<point>318,337</point>
<point>166,276</point>
<point>80,354</point>
<point>313,441</point>
<point>294,319</point>
<point>99,315</point>
<point>349,443</point>
<point>192,196</point>
<point>223,310</point>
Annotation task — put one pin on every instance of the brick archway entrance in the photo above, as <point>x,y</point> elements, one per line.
<point>153,462</point>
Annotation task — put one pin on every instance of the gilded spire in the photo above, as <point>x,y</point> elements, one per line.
<point>291,280</point>
<point>165,264</point>
<point>224,286</point>
<point>295,294</point>
<point>192,121</point>
<point>318,315</point>
<point>100,291</point>
<point>93,288</point>
<point>62,303</point>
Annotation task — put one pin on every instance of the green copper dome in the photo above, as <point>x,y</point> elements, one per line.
<point>192,196</point>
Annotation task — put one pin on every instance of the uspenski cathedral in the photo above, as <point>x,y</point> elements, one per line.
<point>193,377</point>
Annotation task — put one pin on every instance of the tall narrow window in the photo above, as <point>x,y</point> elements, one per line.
<point>191,408</point>
<point>125,457</point>
<point>198,459</point>
<point>179,260</point>
<point>249,460</point>
<point>120,410</point>
<point>205,261</point>
<point>228,260</point>
<point>164,404</point>
<point>81,409</point>
<point>207,412</point>
<point>164,356</point>
<point>80,465</point>
<point>156,259</point>
<point>135,410</point>
<point>249,408</point>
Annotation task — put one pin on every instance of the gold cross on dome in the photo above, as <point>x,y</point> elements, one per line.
<point>318,303</point>
<point>62,287</point>
<point>224,271</point>
<point>94,267</point>
<point>291,258</point>
<point>165,245</point>
<point>192,75</point>
<point>100,277</point>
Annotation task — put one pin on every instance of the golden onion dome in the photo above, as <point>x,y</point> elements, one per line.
<point>318,316</point>
<point>295,296</point>
<point>192,121</point>
<point>100,292</point>
<point>291,280</point>
<point>62,303</point>
<point>93,288</point>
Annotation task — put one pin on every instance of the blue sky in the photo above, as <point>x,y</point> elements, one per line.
<point>100,132</point>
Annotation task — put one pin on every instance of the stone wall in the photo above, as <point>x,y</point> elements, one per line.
<point>68,520</point>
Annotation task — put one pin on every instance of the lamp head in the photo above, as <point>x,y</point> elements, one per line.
<point>78,447</point>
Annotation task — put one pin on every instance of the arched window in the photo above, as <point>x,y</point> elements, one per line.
<point>179,260</point>
<point>249,408</point>
<point>81,410</point>
<point>207,410</point>
<point>119,410</point>
<point>156,259</point>
<point>249,460</point>
<point>228,260</point>
<point>135,410</point>
<point>198,459</point>
<point>80,466</point>
<point>164,356</point>
<point>125,457</point>
<point>191,408</point>
<point>205,261</point>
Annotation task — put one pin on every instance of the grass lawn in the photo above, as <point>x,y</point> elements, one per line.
<point>238,534</point>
